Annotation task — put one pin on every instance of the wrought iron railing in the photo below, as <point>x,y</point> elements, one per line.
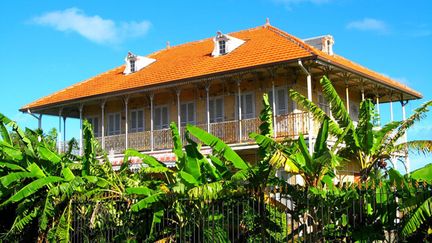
<point>288,214</point>
<point>286,126</point>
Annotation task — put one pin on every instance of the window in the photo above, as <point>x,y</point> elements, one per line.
<point>161,117</point>
<point>94,121</point>
<point>283,103</point>
<point>222,47</point>
<point>323,104</point>
<point>132,65</point>
<point>187,113</point>
<point>354,112</point>
<point>114,124</point>
<point>247,106</point>
<point>216,109</point>
<point>137,121</point>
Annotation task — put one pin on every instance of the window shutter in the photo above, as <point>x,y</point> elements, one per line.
<point>157,118</point>
<point>191,113</point>
<point>117,124</point>
<point>212,110</point>
<point>95,125</point>
<point>133,121</point>
<point>140,125</point>
<point>164,117</point>
<point>247,106</point>
<point>219,110</point>
<point>183,114</point>
<point>110,124</point>
<point>281,102</point>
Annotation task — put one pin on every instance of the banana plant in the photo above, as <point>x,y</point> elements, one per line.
<point>42,185</point>
<point>196,177</point>
<point>365,144</point>
<point>416,203</point>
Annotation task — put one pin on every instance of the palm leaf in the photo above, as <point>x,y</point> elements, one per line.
<point>418,146</point>
<point>423,174</point>
<point>266,117</point>
<point>146,159</point>
<point>19,132</point>
<point>339,111</point>
<point>321,141</point>
<point>317,112</point>
<point>15,177</point>
<point>421,214</point>
<point>143,190</point>
<point>207,191</point>
<point>218,146</point>
<point>11,166</point>
<point>32,188</point>
<point>148,202</point>
<point>5,133</point>
<point>418,114</point>
<point>48,155</point>
<point>64,225</point>
<point>22,221</point>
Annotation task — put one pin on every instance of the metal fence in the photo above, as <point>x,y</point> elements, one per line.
<point>288,214</point>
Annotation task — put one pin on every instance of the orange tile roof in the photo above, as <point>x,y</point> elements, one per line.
<point>264,45</point>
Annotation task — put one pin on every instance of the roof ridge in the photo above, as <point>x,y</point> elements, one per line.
<point>70,87</point>
<point>293,39</point>
<point>202,40</point>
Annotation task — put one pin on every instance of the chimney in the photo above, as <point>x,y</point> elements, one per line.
<point>323,43</point>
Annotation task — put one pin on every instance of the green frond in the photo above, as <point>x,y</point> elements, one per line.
<point>177,142</point>
<point>146,159</point>
<point>148,201</point>
<point>63,228</point>
<point>207,191</point>
<point>218,146</point>
<point>383,135</point>
<point>422,174</point>
<point>418,114</point>
<point>421,214</point>
<point>32,188</point>
<point>416,146</point>
<point>339,111</point>
<point>23,220</point>
<point>11,166</point>
<point>266,117</point>
<point>5,133</point>
<point>317,113</point>
<point>15,177</point>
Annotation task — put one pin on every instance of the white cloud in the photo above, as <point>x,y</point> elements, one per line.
<point>368,24</point>
<point>93,28</point>
<point>289,3</point>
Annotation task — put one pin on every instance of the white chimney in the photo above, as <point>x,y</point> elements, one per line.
<point>323,43</point>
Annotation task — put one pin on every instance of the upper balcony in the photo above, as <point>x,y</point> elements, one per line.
<point>231,132</point>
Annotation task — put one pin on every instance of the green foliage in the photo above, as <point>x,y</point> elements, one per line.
<point>47,191</point>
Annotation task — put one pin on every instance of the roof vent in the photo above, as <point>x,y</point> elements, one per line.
<point>135,63</point>
<point>323,43</point>
<point>224,44</point>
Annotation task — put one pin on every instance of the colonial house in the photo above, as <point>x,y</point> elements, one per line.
<point>216,84</point>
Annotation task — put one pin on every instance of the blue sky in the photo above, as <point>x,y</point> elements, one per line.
<point>48,45</point>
